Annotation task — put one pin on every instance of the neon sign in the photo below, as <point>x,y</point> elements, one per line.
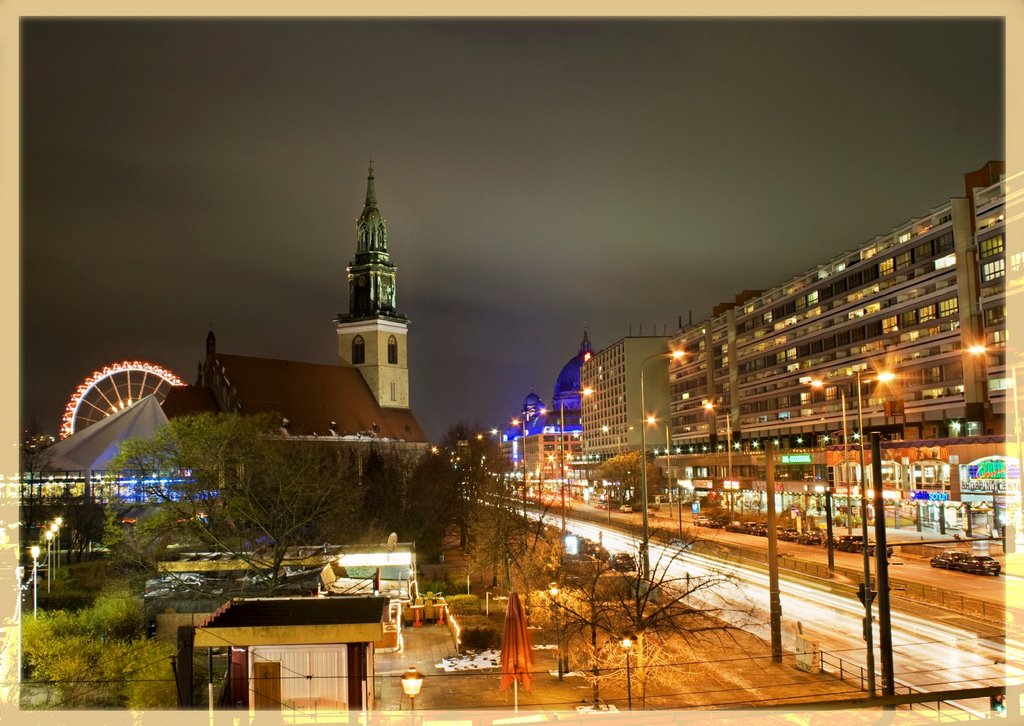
<point>993,468</point>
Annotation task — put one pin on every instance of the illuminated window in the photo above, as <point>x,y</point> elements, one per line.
<point>358,350</point>
<point>904,237</point>
<point>993,270</point>
<point>991,246</point>
<point>889,325</point>
<point>944,262</point>
<point>948,307</point>
<point>392,350</point>
<point>926,313</point>
<point>903,260</point>
<point>885,267</point>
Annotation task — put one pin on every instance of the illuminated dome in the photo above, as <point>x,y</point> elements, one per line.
<point>532,403</point>
<point>568,383</point>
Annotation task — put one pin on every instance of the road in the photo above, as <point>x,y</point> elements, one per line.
<point>928,653</point>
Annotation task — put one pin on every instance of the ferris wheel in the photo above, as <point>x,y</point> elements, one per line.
<point>114,388</point>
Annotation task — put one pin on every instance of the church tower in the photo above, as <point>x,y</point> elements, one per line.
<point>372,336</point>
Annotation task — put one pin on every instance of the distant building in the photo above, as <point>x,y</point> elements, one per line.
<point>544,441</point>
<point>612,415</point>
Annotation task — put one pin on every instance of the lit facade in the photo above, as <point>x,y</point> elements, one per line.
<point>913,302</point>
<point>612,414</point>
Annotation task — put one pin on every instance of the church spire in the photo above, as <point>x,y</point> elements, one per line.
<point>371,195</point>
<point>585,348</point>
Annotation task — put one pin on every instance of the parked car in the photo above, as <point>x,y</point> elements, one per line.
<point>741,527</point>
<point>855,543</point>
<point>761,530</point>
<point>702,521</point>
<point>719,522</point>
<point>811,537</point>
<point>787,534</point>
<point>622,562</point>
<point>627,508</point>
<point>980,565</point>
<point>949,560</point>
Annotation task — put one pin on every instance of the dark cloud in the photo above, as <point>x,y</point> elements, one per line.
<point>536,176</point>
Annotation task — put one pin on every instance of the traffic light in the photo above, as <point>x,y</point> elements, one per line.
<point>860,594</point>
<point>997,703</point>
<point>1009,539</point>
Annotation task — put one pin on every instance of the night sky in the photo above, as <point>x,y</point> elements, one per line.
<point>536,177</point>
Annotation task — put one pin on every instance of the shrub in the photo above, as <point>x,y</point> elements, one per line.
<point>478,632</point>
<point>464,604</point>
<point>70,600</point>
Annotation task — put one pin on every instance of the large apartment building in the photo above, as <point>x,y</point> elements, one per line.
<point>913,302</point>
<point>926,301</point>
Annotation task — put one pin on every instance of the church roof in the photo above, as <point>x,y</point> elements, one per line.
<point>311,396</point>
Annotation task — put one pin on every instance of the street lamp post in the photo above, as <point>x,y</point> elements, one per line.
<point>830,545</point>
<point>867,596</point>
<point>866,591</point>
<point>728,451</point>
<point>627,645</point>
<point>553,591</point>
<point>645,548</point>
<point>412,682</point>
<point>59,521</point>
<point>34,551</point>
<point>49,541</point>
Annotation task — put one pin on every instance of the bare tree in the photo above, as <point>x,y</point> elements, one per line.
<point>678,602</point>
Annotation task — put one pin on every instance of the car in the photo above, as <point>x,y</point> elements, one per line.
<point>627,508</point>
<point>786,534</point>
<point>949,560</point>
<point>702,521</point>
<point>855,543</point>
<point>980,565</point>
<point>811,537</point>
<point>622,562</point>
<point>719,522</point>
<point>741,527</point>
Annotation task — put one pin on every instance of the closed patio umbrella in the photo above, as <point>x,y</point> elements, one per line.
<point>516,656</point>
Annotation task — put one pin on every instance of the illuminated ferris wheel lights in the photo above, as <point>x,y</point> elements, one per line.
<point>103,390</point>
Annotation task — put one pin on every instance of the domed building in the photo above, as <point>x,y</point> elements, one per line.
<point>542,441</point>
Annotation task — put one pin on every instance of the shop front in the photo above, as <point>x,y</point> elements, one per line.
<point>991,486</point>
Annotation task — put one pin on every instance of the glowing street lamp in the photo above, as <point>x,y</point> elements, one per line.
<point>627,645</point>
<point>676,355</point>
<point>58,521</point>
<point>553,591</point>
<point>412,682</point>
<point>34,551</point>
<point>49,541</point>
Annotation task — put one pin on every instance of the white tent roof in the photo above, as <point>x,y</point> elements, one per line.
<point>91,448</point>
